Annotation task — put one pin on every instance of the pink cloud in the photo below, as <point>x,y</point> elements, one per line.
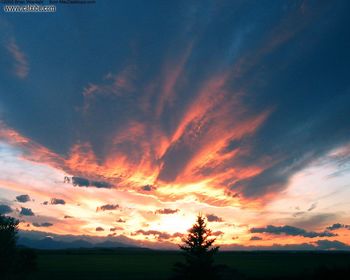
<point>21,64</point>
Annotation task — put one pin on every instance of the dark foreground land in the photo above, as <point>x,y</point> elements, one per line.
<point>146,264</point>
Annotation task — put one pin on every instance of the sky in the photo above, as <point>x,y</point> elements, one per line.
<point>126,119</point>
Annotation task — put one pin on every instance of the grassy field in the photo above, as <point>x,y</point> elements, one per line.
<point>130,264</point>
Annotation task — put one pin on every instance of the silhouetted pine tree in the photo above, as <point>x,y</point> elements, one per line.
<point>14,263</point>
<point>8,238</point>
<point>199,252</point>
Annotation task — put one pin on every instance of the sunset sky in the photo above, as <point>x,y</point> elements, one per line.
<point>125,119</point>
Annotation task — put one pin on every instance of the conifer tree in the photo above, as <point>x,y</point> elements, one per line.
<point>15,262</point>
<point>8,239</point>
<point>199,254</point>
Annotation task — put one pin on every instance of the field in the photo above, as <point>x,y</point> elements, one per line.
<point>147,264</point>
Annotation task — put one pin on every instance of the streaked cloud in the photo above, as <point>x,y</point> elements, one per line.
<point>83,182</point>
<point>218,233</point>
<point>157,234</point>
<point>293,231</point>
<point>255,238</point>
<point>21,64</point>
<point>45,224</point>
<point>312,207</point>
<point>116,228</point>
<point>167,211</point>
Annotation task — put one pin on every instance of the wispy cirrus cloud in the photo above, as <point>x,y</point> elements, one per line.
<point>113,85</point>
<point>44,224</point>
<point>21,64</point>
<point>312,207</point>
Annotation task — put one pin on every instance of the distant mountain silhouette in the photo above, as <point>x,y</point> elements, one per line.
<point>46,240</point>
<point>112,244</point>
<point>51,243</point>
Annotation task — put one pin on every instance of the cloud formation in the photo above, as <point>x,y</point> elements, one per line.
<point>213,218</point>
<point>83,182</point>
<point>173,127</point>
<point>292,231</point>
<point>316,246</point>
<point>157,234</point>
<point>148,188</point>
<point>338,226</point>
<point>23,198</point>
<point>45,224</point>
<point>312,207</point>
<point>21,65</point>
<point>26,212</point>
<point>108,207</point>
<point>5,209</point>
<point>167,211</point>
<point>116,228</point>
<point>255,238</point>
<point>331,245</point>
<point>57,201</point>
<point>217,233</point>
